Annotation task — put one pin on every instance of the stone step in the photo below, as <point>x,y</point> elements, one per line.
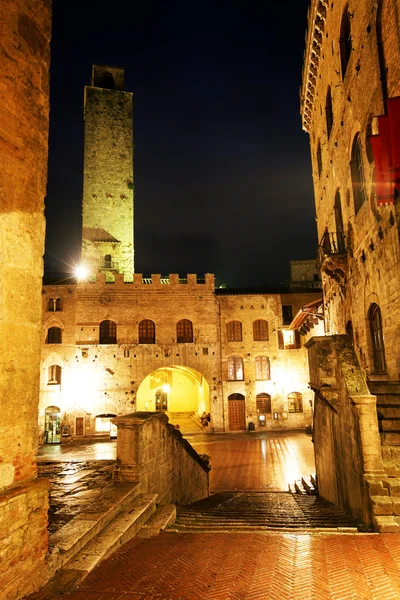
<point>164,516</point>
<point>391,425</point>
<point>384,388</point>
<point>390,438</point>
<point>126,523</point>
<point>388,412</point>
<point>263,511</point>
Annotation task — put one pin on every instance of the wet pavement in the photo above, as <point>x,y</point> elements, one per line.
<point>229,565</point>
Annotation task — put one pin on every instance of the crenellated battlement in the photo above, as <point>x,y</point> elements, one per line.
<point>157,280</point>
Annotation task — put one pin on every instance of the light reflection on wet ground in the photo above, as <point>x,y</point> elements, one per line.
<point>240,461</point>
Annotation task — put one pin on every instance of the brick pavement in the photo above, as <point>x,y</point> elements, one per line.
<point>222,566</point>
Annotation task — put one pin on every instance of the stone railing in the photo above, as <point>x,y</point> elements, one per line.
<point>153,453</point>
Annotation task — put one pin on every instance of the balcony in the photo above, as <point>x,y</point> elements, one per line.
<point>332,256</point>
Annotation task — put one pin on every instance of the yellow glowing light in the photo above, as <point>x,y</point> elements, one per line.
<point>81,272</point>
<point>166,388</point>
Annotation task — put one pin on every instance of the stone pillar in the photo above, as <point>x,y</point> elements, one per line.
<point>128,448</point>
<point>369,433</point>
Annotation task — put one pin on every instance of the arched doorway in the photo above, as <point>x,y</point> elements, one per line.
<point>237,412</point>
<point>175,389</point>
<point>52,425</point>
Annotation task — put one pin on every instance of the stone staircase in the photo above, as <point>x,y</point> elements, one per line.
<point>95,533</point>
<point>385,494</point>
<point>261,511</point>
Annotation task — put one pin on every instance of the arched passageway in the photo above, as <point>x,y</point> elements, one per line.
<point>173,390</point>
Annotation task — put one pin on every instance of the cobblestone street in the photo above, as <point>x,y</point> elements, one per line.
<point>227,565</point>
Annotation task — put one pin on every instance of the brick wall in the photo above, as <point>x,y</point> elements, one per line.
<point>24,108</point>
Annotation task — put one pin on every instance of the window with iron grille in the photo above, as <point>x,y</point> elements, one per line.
<point>54,335</point>
<point>108,332</point>
<point>295,401</point>
<point>262,368</point>
<point>263,403</point>
<point>147,332</point>
<point>260,331</point>
<point>235,368</point>
<point>234,331</point>
<point>184,331</point>
<point>378,347</point>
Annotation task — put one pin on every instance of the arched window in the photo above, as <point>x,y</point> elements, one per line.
<point>108,332</point>
<point>328,112</point>
<point>295,401</point>
<point>319,159</point>
<point>107,261</point>
<point>234,331</point>
<point>54,304</point>
<point>357,174</point>
<point>262,368</point>
<point>345,40</point>
<point>54,335</point>
<point>54,375</point>
<point>378,347</point>
<point>235,368</point>
<point>260,331</point>
<point>263,403</point>
<point>147,332</point>
<point>184,331</point>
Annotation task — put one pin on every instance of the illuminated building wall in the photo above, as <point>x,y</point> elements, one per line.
<point>128,373</point>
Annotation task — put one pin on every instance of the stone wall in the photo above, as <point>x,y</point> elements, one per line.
<point>346,436</point>
<point>152,452</point>
<point>369,271</point>
<point>24,109</point>
<point>108,188</point>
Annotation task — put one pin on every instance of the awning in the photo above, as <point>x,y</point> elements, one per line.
<point>306,311</point>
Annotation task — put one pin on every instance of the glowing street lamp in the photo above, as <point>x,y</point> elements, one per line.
<point>81,272</point>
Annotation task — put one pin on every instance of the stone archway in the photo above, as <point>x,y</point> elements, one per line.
<point>174,390</point>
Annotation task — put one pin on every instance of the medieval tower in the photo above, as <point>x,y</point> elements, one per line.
<point>108,189</point>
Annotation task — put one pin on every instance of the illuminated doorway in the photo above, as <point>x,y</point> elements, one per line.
<point>174,389</point>
<point>52,426</point>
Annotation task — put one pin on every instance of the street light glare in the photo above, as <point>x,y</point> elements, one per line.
<point>81,272</point>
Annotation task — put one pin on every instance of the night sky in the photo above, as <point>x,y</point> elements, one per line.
<point>222,168</point>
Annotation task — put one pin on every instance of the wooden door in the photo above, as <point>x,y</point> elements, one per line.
<point>79,423</point>
<point>237,412</point>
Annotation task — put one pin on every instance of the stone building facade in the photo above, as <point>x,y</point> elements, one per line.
<point>25,29</point>
<point>170,345</point>
<point>350,106</point>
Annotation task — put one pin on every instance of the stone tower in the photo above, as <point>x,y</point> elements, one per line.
<point>108,189</point>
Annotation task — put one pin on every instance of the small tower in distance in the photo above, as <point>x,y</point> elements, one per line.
<point>108,188</point>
